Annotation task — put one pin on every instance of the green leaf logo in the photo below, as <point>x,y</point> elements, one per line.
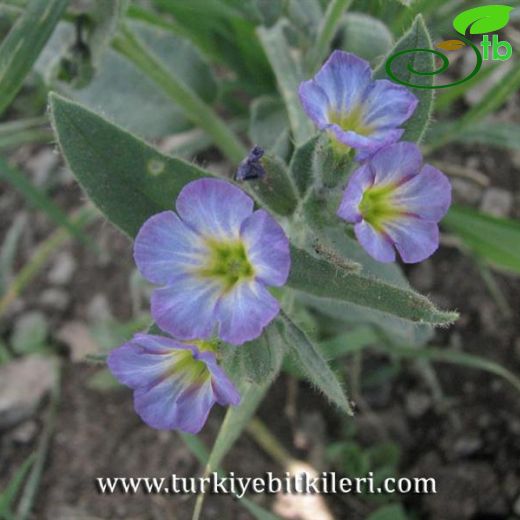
<point>481,20</point>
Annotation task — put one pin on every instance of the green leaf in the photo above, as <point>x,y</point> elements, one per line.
<point>197,448</point>
<point>23,131</point>
<point>127,179</point>
<point>129,44</point>
<point>9,494</point>
<point>9,249</point>
<point>451,356</point>
<point>494,98</point>
<point>30,333</point>
<point>288,76</point>
<point>411,333</point>
<point>301,165</point>
<point>314,365</point>
<point>39,199</point>
<point>501,135</point>
<point>236,419</point>
<point>496,240</point>
<point>268,125</point>
<point>260,360</point>
<point>327,30</point>
<point>321,278</point>
<point>275,190</point>
<point>483,19</point>
<point>353,36</point>
<point>389,512</point>
<point>118,84</point>
<point>23,44</point>
<point>417,37</point>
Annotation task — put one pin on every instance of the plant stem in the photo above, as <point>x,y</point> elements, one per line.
<point>326,32</point>
<point>194,108</point>
<point>268,442</point>
<point>84,216</point>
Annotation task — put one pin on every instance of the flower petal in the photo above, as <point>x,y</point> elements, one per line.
<point>360,180</point>
<point>414,238</point>
<point>427,195</point>
<point>224,390</point>
<point>245,311</point>
<point>314,101</point>
<point>267,248</point>
<point>375,243</point>
<point>142,360</point>
<point>171,405</point>
<point>165,247</point>
<point>344,78</point>
<point>366,146</point>
<point>396,163</point>
<point>388,105</point>
<point>186,307</point>
<point>214,208</point>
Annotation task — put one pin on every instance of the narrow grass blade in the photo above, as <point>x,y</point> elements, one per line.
<point>41,255</point>
<point>495,240</point>
<point>194,108</point>
<point>38,199</point>
<point>22,46</point>
<point>288,77</point>
<point>314,365</point>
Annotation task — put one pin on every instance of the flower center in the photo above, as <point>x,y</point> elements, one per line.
<point>188,368</point>
<point>352,120</point>
<point>377,205</point>
<point>228,262</point>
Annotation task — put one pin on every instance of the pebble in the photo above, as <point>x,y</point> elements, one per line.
<point>417,404</point>
<point>466,191</point>
<point>54,298</point>
<point>23,384</point>
<point>497,202</point>
<point>62,269</point>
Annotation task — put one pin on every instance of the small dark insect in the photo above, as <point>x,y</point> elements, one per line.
<point>251,167</point>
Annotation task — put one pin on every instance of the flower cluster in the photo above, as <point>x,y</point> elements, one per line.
<point>394,202</point>
<point>214,260</point>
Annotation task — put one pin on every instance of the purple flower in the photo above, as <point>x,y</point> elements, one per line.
<point>175,384</point>
<point>214,261</point>
<point>360,113</point>
<point>395,201</point>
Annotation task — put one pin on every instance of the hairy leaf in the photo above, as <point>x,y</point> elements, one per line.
<point>314,365</point>
<point>496,240</point>
<point>417,37</point>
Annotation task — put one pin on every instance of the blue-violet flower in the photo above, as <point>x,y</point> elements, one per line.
<point>214,260</point>
<point>175,384</point>
<point>395,201</point>
<point>357,112</point>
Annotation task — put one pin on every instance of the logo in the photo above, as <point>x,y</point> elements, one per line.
<point>479,20</point>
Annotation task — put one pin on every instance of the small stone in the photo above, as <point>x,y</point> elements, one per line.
<point>77,337</point>
<point>466,191</point>
<point>465,446</point>
<point>54,298</point>
<point>417,404</point>
<point>98,309</point>
<point>23,384</point>
<point>25,432</point>
<point>41,164</point>
<point>497,202</point>
<point>516,506</point>
<point>29,333</point>
<point>62,269</point>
